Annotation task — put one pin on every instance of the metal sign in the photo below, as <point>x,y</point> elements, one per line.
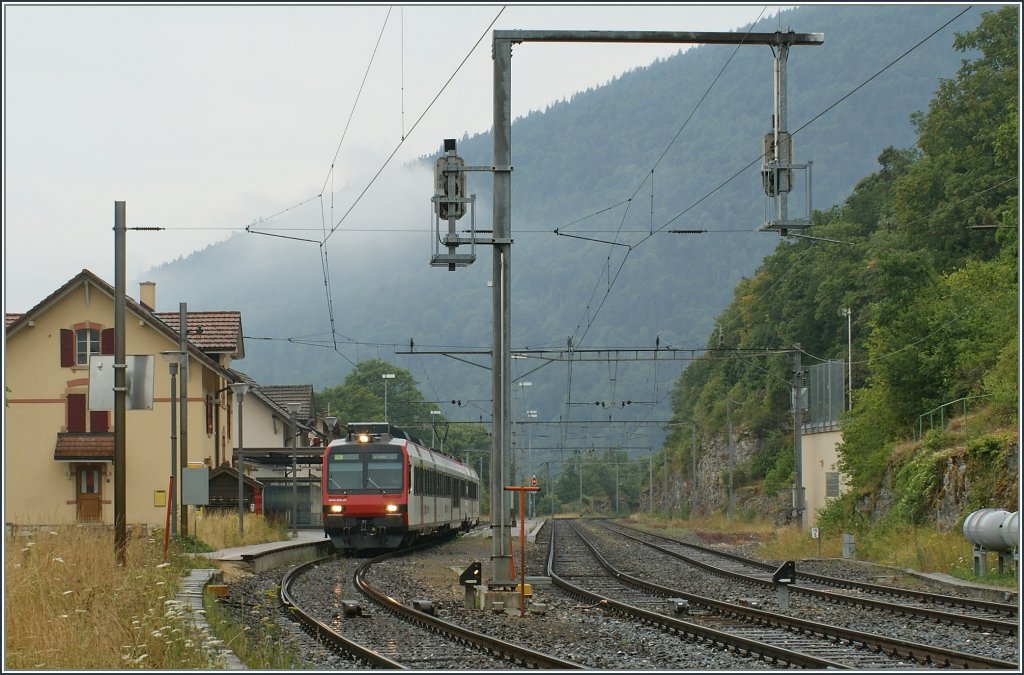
<point>138,381</point>
<point>195,486</point>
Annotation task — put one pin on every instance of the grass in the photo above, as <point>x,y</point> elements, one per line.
<point>218,528</point>
<point>919,548</point>
<point>267,649</point>
<point>69,606</point>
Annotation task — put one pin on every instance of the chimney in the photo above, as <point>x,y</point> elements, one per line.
<point>147,294</point>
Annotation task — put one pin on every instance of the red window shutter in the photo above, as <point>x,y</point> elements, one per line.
<point>67,348</point>
<point>76,413</point>
<point>107,341</point>
<point>99,421</point>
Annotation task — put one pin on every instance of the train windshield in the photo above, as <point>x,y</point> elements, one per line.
<point>364,469</point>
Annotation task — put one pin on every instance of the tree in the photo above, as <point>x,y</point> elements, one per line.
<point>360,398</point>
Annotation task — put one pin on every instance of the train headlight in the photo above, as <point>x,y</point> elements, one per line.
<point>391,508</point>
<point>337,508</point>
<point>364,438</point>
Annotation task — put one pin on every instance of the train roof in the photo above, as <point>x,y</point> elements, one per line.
<point>385,432</point>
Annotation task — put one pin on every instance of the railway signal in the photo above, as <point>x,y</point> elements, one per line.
<point>450,183</point>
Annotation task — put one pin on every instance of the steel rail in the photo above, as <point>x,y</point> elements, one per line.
<point>321,631</point>
<point>693,631</point>
<point>510,651</point>
<point>981,623</point>
<point>892,646</point>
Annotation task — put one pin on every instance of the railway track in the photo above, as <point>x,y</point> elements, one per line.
<point>384,633</point>
<point>580,568</point>
<point>996,617</point>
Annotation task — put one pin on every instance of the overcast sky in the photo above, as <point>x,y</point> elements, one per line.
<point>204,119</point>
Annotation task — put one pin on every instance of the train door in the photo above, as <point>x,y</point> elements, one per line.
<point>88,492</point>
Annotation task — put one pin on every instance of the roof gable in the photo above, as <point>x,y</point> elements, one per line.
<point>16,321</point>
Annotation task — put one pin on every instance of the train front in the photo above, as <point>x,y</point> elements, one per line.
<point>365,489</point>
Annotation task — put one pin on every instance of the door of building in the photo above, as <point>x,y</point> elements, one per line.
<point>89,488</point>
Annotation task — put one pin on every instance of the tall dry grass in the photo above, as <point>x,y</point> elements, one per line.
<point>69,606</point>
<point>219,529</point>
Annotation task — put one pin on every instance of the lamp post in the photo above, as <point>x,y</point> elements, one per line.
<point>330,421</point>
<point>386,377</point>
<point>849,354</point>
<point>174,359</point>
<point>293,410</point>
<point>240,389</point>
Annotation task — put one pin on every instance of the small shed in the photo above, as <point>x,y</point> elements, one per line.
<point>224,490</point>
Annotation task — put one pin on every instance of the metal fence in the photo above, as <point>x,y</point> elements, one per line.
<point>826,396</point>
<point>939,415</point>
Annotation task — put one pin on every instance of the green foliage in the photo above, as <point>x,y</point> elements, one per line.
<point>781,472</point>
<point>934,301</point>
<point>364,394</point>
<point>989,482</point>
<point>192,544</point>
<point>841,514</point>
<point>914,485</point>
<point>1003,382</point>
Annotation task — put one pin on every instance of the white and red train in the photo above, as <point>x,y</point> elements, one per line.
<point>382,489</point>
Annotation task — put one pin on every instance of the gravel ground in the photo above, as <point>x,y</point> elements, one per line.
<point>556,623</point>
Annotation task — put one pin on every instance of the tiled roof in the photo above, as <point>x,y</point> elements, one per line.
<point>281,394</point>
<point>84,447</point>
<point>18,321</point>
<point>210,331</point>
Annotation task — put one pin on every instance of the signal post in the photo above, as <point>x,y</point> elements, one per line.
<point>450,201</point>
<point>522,490</point>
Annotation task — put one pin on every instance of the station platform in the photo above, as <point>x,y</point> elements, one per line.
<point>939,582</point>
<point>312,536</point>
<point>303,537</point>
<point>533,526</point>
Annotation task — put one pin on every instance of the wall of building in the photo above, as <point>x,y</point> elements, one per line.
<point>37,487</point>
<point>820,456</point>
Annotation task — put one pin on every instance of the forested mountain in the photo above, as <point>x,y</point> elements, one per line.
<point>671,146</point>
<point>925,253</point>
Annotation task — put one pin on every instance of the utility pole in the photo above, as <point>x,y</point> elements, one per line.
<point>501,168</point>
<point>693,458</point>
<point>183,401</point>
<point>728,417</point>
<point>501,355</point>
<point>650,484</point>
<point>120,387</point>
<point>798,487</point>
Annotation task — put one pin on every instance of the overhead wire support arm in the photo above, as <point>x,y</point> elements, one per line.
<point>691,37</point>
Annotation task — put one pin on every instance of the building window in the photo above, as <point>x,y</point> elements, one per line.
<point>831,484</point>
<point>77,345</point>
<point>87,341</point>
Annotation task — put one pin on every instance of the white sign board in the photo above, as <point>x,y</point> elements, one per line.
<point>814,533</point>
